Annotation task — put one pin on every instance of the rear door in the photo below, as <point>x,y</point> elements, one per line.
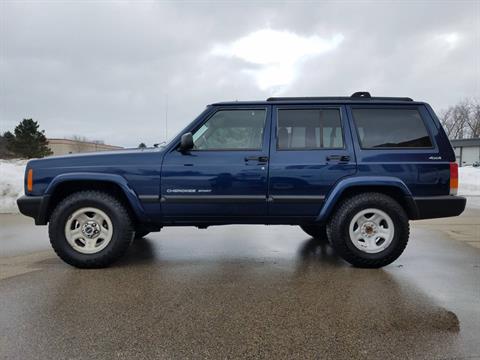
<point>311,149</point>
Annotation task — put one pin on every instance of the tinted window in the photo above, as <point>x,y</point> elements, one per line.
<point>309,129</point>
<point>378,128</point>
<point>231,130</point>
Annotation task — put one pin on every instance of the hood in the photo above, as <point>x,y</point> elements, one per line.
<point>115,157</point>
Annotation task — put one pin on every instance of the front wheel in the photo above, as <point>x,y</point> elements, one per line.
<point>369,230</point>
<point>90,229</point>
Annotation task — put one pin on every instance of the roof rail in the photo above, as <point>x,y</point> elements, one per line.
<point>359,95</point>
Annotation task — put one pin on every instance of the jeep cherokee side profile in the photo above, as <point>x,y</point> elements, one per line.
<point>353,170</point>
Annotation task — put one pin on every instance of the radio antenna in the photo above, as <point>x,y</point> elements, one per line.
<point>166,117</point>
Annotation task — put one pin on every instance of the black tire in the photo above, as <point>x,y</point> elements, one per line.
<point>122,229</point>
<point>339,236</point>
<point>318,232</point>
<point>141,233</point>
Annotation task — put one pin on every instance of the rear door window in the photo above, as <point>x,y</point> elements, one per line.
<point>309,129</point>
<point>390,128</point>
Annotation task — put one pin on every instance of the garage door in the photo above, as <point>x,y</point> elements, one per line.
<point>470,155</point>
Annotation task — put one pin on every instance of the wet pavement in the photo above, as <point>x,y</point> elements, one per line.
<point>241,292</point>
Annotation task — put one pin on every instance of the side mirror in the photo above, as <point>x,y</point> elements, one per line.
<point>186,142</point>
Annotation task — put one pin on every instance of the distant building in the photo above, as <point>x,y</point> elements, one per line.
<point>67,146</point>
<point>467,151</point>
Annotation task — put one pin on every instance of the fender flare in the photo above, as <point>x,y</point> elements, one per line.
<point>348,183</point>
<point>129,193</point>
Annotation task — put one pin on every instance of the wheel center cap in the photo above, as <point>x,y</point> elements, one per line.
<point>90,229</point>
<point>369,229</point>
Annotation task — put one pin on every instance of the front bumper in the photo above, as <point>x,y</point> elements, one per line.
<point>430,207</point>
<point>35,207</point>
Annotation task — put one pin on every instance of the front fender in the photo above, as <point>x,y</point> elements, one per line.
<point>112,178</point>
<point>347,183</point>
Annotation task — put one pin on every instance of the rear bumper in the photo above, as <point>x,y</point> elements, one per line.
<point>35,207</point>
<point>430,207</point>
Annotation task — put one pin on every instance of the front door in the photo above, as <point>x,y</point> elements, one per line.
<point>311,149</point>
<point>225,175</point>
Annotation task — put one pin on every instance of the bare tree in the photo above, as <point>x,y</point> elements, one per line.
<point>462,120</point>
<point>473,120</point>
<point>446,118</point>
<point>79,145</point>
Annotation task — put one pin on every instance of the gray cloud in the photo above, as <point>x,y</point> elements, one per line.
<point>103,69</point>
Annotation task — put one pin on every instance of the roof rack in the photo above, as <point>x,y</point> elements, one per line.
<point>359,95</point>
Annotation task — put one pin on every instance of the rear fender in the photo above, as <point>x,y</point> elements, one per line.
<point>364,181</point>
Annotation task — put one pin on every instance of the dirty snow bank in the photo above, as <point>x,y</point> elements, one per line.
<point>12,172</point>
<point>11,184</point>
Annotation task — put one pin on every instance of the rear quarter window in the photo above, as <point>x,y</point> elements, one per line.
<point>391,128</point>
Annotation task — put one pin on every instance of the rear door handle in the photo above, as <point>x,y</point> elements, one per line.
<point>340,158</point>
<point>262,159</point>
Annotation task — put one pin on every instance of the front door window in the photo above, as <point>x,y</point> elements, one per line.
<point>231,130</point>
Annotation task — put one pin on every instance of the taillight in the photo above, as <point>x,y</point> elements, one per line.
<point>453,178</point>
<point>30,180</point>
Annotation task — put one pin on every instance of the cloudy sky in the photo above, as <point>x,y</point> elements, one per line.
<point>107,69</point>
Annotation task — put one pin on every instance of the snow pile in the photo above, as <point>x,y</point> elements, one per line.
<point>11,184</point>
<point>469,180</point>
<point>12,172</point>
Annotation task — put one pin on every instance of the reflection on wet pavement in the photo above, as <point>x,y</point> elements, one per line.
<point>246,291</point>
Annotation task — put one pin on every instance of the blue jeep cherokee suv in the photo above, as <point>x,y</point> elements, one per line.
<point>353,170</point>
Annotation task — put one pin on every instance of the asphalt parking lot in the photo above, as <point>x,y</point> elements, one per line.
<point>242,291</point>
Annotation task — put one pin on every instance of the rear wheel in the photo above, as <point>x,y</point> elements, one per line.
<point>90,229</point>
<point>370,230</point>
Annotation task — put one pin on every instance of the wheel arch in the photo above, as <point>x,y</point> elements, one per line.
<point>348,187</point>
<point>115,185</point>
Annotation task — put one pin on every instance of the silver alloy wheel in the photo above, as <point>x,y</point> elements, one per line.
<point>371,230</point>
<point>89,230</point>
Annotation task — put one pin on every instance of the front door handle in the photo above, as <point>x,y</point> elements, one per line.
<point>262,159</point>
<point>340,158</point>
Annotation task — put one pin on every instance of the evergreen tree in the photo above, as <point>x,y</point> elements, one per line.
<point>8,136</point>
<point>4,152</point>
<point>142,145</point>
<point>28,141</point>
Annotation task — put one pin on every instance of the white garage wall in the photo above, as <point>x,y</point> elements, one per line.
<point>470,155</point>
